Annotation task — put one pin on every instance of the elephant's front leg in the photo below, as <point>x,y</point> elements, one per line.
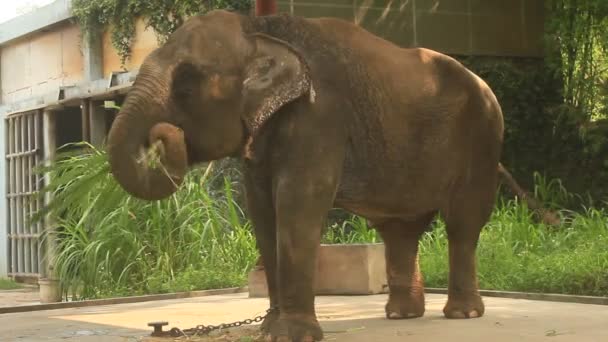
<point>261,213</point>
<point>301,207</point>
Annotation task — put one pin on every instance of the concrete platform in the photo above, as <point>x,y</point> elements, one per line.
<point>20,297</point>
<point>353,318</point>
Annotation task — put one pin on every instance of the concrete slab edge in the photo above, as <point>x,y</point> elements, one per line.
<point>192,294</point>
<point>552,297</point>
<point>121,300</point>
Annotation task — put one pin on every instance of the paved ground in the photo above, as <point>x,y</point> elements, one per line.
<point>356,318</point>
<point>24,296</point>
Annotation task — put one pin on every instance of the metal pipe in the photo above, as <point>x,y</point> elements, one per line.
<point>265,7</point>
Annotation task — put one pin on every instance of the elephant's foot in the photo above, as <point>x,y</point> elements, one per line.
<point>296,328</point>
<point>271,319</point>
<point>464,306</point>
<point>405,304</point>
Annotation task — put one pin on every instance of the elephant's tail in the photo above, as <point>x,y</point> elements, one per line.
<point>546,216</point>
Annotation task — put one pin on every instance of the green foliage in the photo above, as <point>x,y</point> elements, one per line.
<point>514,252</point>
<point>517,254</point>
<point>351,230</point>
<point>163,16</point>
<point>8,284</point>
<point>112,244</point>
<point>555,107</point>
<point>577,41</point>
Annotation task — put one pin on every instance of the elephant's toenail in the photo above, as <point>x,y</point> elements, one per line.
<point>457,314</point>
<point>411,314</point>
<point>473,314</point>
<point>394,315</point>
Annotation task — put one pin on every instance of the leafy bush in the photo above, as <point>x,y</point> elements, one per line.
<point>111,243</point>
<point>517,254</point>
<point>163,17</point>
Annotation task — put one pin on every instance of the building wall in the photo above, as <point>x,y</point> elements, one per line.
<point>464,27</point>
<point>40,63</point>
<point>145,41</point>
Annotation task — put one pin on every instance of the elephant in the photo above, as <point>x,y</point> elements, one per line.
<point>323,114</point>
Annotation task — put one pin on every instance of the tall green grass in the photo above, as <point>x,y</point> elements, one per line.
<point>112,244</point>
<point>517,254</point>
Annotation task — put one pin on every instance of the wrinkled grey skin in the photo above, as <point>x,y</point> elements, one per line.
<point>324,114</point>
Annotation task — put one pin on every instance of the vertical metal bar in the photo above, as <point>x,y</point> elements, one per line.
<point>9,184</point>
<point>30,147</point>
<point>22,241</point>
<point>38,146</point>
<point>19,120</point>
<point>12,202</point>
<point>24,175</point>
<point>25,241</point>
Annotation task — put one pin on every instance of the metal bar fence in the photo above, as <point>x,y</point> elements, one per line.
<point>23,153</point>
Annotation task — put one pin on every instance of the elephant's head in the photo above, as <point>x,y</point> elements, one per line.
<point>201,96</point>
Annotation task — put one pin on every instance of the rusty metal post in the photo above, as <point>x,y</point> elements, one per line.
<point>265,7</point>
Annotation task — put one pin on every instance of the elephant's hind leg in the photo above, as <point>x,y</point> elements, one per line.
<point>469,210</point>
<point>406,297</point>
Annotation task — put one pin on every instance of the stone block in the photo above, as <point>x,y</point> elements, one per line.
<point>357,269</point>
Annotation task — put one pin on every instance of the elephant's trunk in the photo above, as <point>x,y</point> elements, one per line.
<point>148,155</point>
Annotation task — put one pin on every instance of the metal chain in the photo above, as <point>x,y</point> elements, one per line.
<point>201,329</point>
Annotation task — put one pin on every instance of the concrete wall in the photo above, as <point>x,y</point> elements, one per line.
<point>145,41</point>
<point>40,63</point>
<point>465,27</point>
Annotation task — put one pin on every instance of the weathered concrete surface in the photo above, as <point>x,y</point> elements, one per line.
<point>354,318</point>
<point>342,269</point>
<point>20,297</point>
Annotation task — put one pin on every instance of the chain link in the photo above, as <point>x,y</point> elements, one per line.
<point>201,329</point>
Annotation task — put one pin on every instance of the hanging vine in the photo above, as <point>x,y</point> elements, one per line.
<point>163,16</point>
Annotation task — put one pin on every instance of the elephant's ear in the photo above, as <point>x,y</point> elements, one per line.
<point>275,76</point>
